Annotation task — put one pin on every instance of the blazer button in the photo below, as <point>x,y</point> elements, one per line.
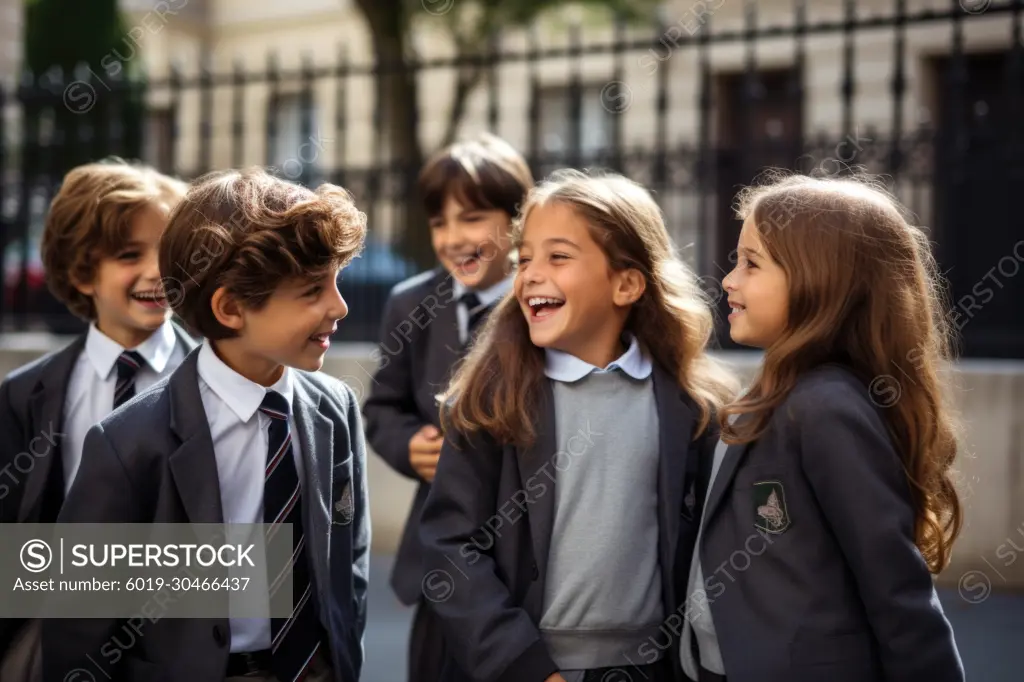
<point>535,571</point>
<point>218,635</point>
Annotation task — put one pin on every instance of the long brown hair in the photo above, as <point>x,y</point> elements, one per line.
<point>498,386</point>
<point>864,290</point>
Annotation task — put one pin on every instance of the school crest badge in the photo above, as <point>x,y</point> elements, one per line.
<point>344,509</point>
<point>771,514</point>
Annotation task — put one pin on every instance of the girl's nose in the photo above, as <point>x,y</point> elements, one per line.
<point>532,274</point>
<point>727,282</point>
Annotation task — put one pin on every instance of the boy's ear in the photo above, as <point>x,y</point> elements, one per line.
<point>84,288</point>
<point>227,309</point>
<point>629,287</point>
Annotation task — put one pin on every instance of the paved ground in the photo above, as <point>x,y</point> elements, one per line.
<point>990,634</point>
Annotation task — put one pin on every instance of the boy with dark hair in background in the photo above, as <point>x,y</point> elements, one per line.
<point>471,192</point>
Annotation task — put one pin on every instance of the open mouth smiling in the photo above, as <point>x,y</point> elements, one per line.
<point>152,298</point>
<point>542,307</point>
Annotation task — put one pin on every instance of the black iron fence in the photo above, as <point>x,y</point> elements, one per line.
<point>928,93</point>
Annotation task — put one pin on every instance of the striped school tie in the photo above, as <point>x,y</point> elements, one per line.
<point>128,365</point>
<point>476,312</point>
<point>294,640</point>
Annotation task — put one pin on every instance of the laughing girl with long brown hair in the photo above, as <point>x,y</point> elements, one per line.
<point>559,508</point>
<point>831,500</point>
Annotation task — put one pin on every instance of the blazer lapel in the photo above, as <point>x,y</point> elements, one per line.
<point>46,406</point>
<point>534,465</point>
<point>194,464</point>
<point>443,349</point>
<point>315,434</point>
<point>675,426</point>
<point>723,479</point>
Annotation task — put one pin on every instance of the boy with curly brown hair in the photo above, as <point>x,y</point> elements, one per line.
<point>245,431</point>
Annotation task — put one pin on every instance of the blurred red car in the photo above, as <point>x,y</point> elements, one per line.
<point>39,304</point>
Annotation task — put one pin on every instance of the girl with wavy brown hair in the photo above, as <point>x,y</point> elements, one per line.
<point>831,500</point>
<point>552,528</point>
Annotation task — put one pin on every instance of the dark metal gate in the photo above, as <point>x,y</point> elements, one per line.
<point>960,170</point>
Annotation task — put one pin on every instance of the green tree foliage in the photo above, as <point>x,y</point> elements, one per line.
<point>66,33</point>
<point>84,81</point>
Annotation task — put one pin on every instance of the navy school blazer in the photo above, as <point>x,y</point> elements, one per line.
<point>808,550</point>
<point>419,346</point>
<point>152,461</point>
<point>486,530</point>
<point>32,407</point>
<point>32,401</point>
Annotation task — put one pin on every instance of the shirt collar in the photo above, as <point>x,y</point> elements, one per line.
<point>487,296</point>
<point>242,395</point>
<point>103,351</point>
<point>562,366</point>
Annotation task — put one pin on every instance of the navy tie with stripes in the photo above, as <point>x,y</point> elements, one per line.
<point>294,640</point>
<point>128,365</point>
<point>476,313</point>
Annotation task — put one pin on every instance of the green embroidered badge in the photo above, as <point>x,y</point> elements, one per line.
<point>770,507</point>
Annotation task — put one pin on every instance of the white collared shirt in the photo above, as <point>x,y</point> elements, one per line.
<point>567,368</point>
<point>240,442</point>
<point>90,394</point>
<point>488,296</point>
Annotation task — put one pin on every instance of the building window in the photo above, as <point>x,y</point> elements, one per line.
<point>291,152</point>
<point>158,149</point>
<point>558,136</point>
